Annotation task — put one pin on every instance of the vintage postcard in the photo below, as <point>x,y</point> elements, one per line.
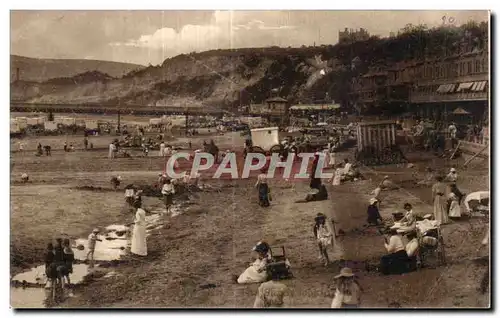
<point>250,159</point>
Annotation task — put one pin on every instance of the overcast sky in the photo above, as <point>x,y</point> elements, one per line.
<point>145,37</point>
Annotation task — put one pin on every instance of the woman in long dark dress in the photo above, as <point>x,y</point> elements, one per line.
<point>374,217</point>
<point>263,189</point>
<point>315,182</point>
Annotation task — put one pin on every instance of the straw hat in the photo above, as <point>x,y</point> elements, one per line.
<point>453,170</point>
<point>373,201</point>
<point>345,272</point>
<point>96,230</point>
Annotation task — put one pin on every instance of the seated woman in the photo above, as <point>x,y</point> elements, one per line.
<point>395,262</point>
<point>347,172</point>
<point>373,213</point>
<point>409,221</point>
<point>257,271</point>
<point>412,250</point>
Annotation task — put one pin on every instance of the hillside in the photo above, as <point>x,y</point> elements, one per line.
<point>228,78</point>
<point>40,70</point>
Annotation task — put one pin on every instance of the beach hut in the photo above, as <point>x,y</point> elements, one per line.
<point>376,143</point>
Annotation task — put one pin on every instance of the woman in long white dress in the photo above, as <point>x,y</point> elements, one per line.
<point>438,193</point>
<point>454,210</point>
<point>138,244</point>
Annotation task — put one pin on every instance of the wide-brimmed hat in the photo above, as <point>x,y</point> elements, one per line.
<point>320,216</point>
<point>373,200</point>
<point>386,177</point>
<point>345,272</point>
<point>453,170</point>
<point>261,247</point>
<point>96,230</point>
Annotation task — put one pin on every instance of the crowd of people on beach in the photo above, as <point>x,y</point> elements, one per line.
<point>400,258</point>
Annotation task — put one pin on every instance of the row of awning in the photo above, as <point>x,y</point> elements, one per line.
<point>315,107</point>
<point>461,87</point>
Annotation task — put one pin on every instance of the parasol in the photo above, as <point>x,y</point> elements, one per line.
<point>460,111</point>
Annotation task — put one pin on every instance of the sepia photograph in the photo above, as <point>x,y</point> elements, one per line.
<point>285,159</point>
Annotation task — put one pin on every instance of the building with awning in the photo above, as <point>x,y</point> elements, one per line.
<point>462,87</point>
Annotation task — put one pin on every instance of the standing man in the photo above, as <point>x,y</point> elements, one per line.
<point>86,142</point>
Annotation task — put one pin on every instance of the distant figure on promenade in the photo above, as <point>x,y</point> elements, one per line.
<point>47,150</point>
<point>24,177</point>
<point>112,151</point>
<point>115,182</point>
<point>162,149</point>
